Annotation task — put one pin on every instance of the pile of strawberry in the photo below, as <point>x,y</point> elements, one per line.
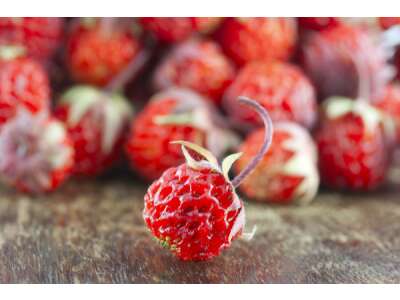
<point>80,95</point>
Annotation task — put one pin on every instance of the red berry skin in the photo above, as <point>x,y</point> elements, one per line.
<point>171,30</point>
<point>149,147</point>
<point>288,173</point>
<point>40,36</point>
<point>95,55</point>
<point>199,65</point>
<point>387,22</point>
<point>250,39</point>
<point>23,83</point>
<point>352,156</point>
<point>279,87</point>
<point>329,58</point>
<point>318,23</point>
<point>193,212</point>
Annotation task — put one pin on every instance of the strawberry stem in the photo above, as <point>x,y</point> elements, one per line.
<point>268,133</point>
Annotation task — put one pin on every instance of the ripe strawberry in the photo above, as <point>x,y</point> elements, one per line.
<point>329,57</point>
<point>170,30</point>
<point>353,151</point>
<point>40,36</point>
<point>279,87</point>
<point>199,65</point>
<point>97,50</point>
<point>288,172</point>
<point>193,209</point>
<point>23,83</point>
<point>249,39</point>
<point>36,154</point>
<point>175,114</point>
<point>318,23</point>
<point>96,122</point>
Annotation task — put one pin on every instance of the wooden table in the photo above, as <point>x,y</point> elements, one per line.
<point>92,232</point>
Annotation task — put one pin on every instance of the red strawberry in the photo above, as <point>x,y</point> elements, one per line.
<point>353,151</point>
<point>99,50</point>
<point>249,39</point>
<point>318,23</point>
<point>193,209</point>
<point>172,30</point>
<point>387,22</point>
<point>288,172</point>
<point>199,65</point>
<point>36,154</point>
<point>175,114</point>
<point>329,57</point>
<point>23,83</point>
<point>41,36</point>
<point>280,87</point>
<point>96,122</point>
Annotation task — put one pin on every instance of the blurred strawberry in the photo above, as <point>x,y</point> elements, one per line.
<point>40,36</point>
<point>96,122</point>
<point>279,87</point>
<point>99,49</point>
<point>352,144</point>
<point>171,115</point>
<point>330,58</point>
<point>387,22</point>
<point>199,65</point>
<point>36,154</point>
<point>318,23</point>
<point>249,39</point>
<point>23,83</point>
<point>170,30</point>
<point>288,172</point>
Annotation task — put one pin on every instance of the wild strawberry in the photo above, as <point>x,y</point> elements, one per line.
<point>199,65</point>
<point>328,58</point>
<point>170,30</point>
<point>97,50</point>
<point>96,122</point>
<point>193,209</point>
<point>318,23</point>
<point>23,84</point>
<point>175,114</point>
<point>40,36</point>
<point>279,87</point>
<point>352,146</point>
<point>36,154</point>
<point>288,172</point>
<point>249,39</point>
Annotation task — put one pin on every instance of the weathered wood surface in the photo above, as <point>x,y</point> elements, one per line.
<point>92,232</point>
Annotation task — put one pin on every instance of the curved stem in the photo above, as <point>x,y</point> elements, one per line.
<point>268,133</point>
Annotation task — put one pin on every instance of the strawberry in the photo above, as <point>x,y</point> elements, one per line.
<point>97,50</point>
<point>318,23</point>
<point>329,57</point>
<point>280,87</point>
<point>170,30</point>
<point>249,39</point>
<point>199,65</point>
<point>288,172</point>
<point>36,154</point>
<point>387,22</point>
<point>41,36</point>
<point>193,209</point>
<point>352,145</point>
<point>96,122</point>
<point>23,83</point>
<point>174,114</point>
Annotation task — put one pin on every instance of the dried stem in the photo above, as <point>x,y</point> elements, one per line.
<point>268,133</point>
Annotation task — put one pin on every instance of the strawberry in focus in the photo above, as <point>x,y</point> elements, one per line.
<point>96,122</point>
<point>99,49</point>
<point>23,84</point>
<point>171,30</point>
<point>250,39</point>
<point>193,209</point>
<point>288,173</point>
<point>174,114</point>
<point>279,87</point>
<point>36,154</point>
<point>196,64</point>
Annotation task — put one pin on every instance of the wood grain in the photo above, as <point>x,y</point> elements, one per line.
<point>92,232</point>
